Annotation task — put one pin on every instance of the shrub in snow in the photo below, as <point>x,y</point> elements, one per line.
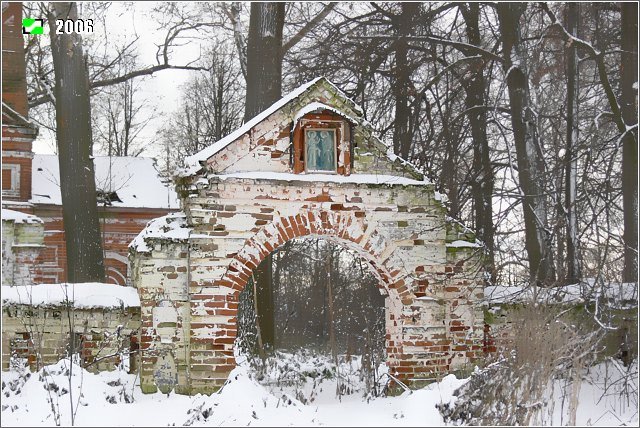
<point>547,345</point>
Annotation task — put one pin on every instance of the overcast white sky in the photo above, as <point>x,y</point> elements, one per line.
<point>124,20</point>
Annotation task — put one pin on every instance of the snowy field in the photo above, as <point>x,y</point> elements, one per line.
<point>114,399</point>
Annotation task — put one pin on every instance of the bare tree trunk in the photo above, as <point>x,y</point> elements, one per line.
<point>276,296</point>
<point>264,297</point>
<point>331,317</point>
<point>482,186</point>
<point>450,172</point>
<point>630,142</point>
<point>77,179</point>
<point>571,159</point>
<point>264,87</point>
<point>317,298</point>
<point>264,57</point>
<point>261,352</point>
<point>402,132</point>
<point>128,117</point>
<point>219,105</point>
<point>528,151</point>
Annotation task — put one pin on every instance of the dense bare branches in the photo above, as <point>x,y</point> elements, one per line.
<point>440,87</point>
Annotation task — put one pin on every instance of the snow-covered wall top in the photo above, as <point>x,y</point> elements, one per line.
<point>18,217</point>
<point>82,295</point>
<point>134,179</point>
<point>265,142</point>
<point>621,295</point>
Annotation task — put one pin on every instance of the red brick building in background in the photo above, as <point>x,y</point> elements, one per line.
<point>18,132</point>
<point>130,190</point>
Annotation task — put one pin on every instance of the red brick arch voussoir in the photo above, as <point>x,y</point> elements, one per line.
<point>345,228</point>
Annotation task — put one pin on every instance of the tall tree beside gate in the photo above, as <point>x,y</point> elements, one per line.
<point>402,131</point>
<point>264,57</point>
<point>571,155</point>
<point>73,125</point>
<point>264,87</point>
<point>527,144</point>
<point>476,99</point>
<point>630,142</point>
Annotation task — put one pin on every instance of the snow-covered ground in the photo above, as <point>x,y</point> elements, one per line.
<point>114,399</point>
<point>608,397</point>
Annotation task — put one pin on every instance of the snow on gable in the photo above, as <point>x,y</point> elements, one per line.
<point>316,106</point>
<point>264,142</point>
<point>134,180</point>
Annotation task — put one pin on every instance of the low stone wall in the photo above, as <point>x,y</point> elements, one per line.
<point>504,306</point>
<point>44,323</point>
<point>44,335</point>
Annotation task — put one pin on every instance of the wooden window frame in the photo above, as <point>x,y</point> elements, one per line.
<point>305,147</point>
<point>324,120</point>
<point>15,180</point>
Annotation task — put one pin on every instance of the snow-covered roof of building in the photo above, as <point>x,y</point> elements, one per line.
<point>82,295</point>
<point>18,217</point>
<point>192,163</point>
<point>12,117</point>
<point>135,181</point>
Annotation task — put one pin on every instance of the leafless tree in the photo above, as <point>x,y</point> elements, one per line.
<point>211,107</point>
<point>73,125</point>
<point>120,115</point>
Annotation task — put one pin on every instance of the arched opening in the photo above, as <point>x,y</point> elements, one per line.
<point>322,325</point>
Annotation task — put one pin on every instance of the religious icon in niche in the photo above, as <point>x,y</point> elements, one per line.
<point>321,150</point>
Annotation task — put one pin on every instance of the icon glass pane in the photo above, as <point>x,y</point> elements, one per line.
<point>320,150</point>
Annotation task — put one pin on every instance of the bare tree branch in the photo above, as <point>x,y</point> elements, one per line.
<point>465,48</point>
<point>308,27</point>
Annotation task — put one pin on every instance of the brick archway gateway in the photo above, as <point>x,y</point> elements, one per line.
<point>249,193</point>
<point>343,228</point>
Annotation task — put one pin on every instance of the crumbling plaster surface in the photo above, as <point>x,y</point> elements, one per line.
<point>434,324</point>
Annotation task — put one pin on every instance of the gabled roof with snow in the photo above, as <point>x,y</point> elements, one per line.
<point>12,117</point>
<point>135,181</point>
<point>297,103</point>
<point>192,163</point>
